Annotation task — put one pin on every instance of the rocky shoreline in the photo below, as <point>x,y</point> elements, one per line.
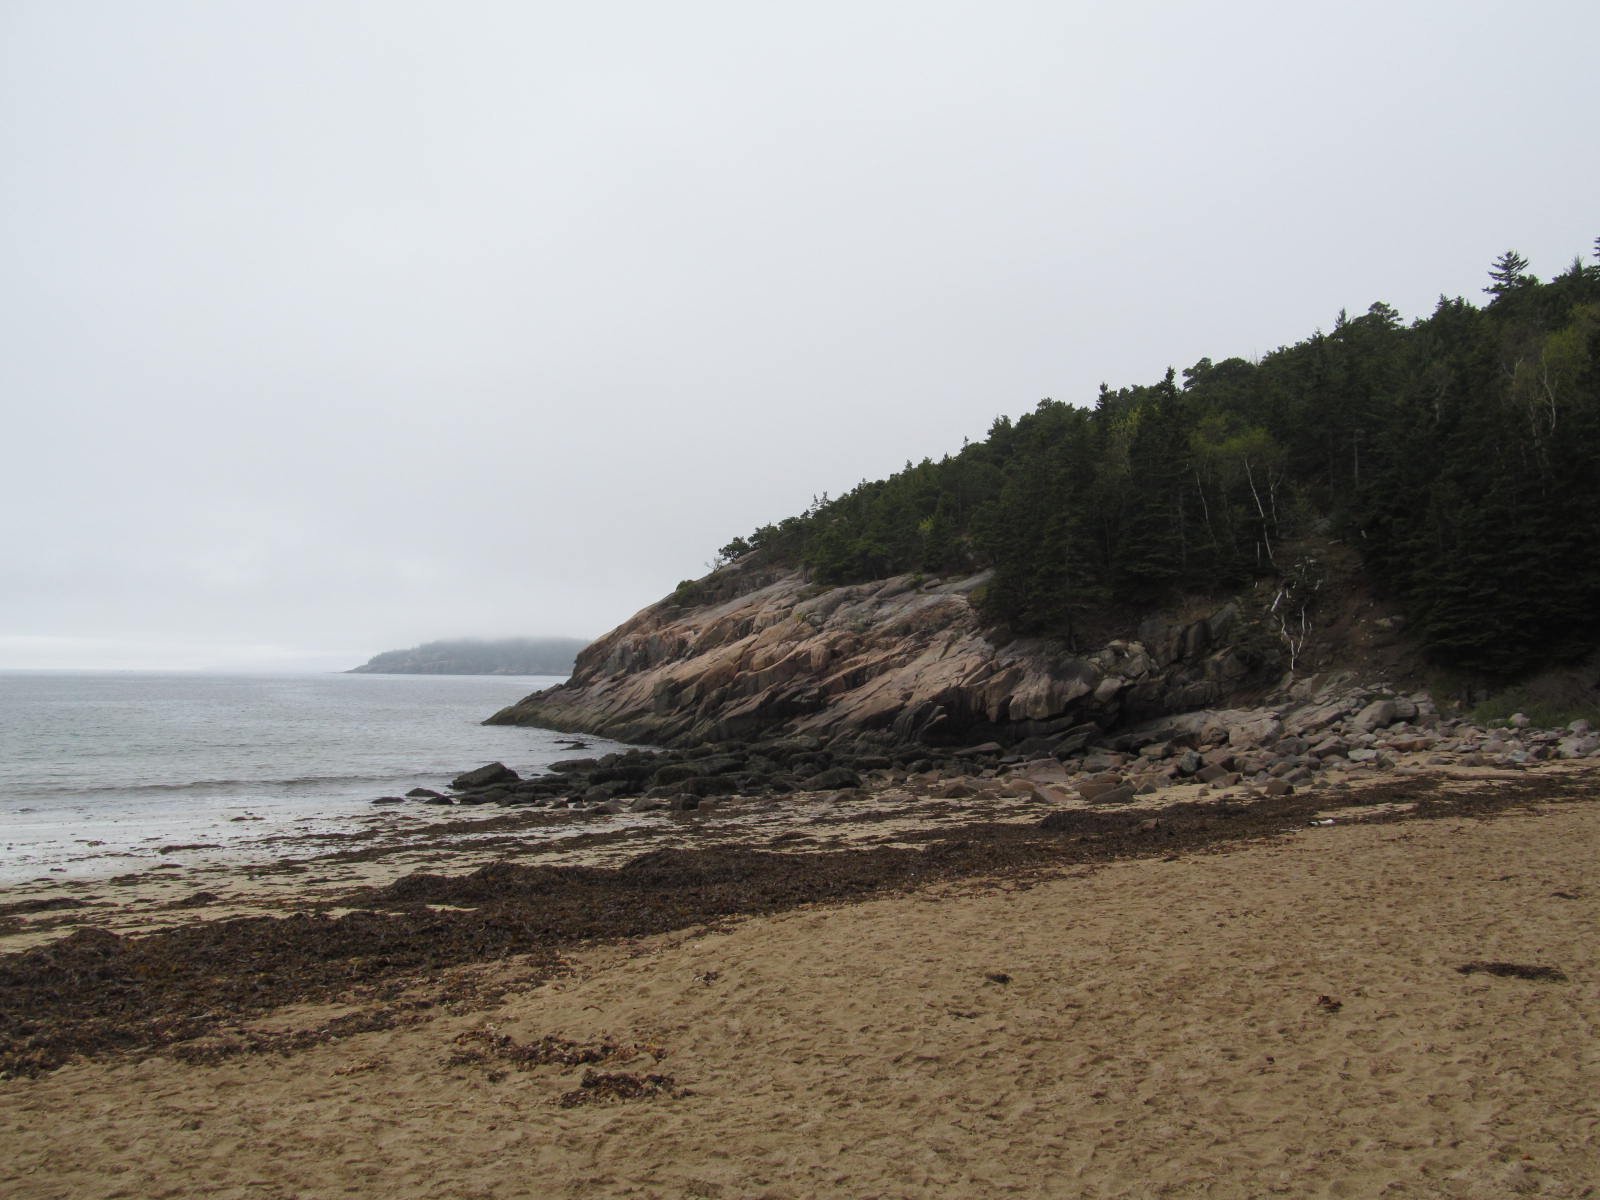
<point>1317,732</point>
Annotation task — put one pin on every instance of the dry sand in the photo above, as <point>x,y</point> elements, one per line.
<point>1281,1018</point>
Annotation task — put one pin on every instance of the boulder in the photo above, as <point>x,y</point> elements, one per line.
<point>1095,790</point>
<point>495,772</point>
<point>1255,732</point>
<point>833,777</point>
<point>1579,745</point>
<point>1377,715</point>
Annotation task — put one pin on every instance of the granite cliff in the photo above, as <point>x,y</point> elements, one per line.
<point>757,652</point>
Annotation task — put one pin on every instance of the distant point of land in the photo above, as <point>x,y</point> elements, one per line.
<point>478,656</point>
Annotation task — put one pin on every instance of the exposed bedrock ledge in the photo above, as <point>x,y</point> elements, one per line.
<point>776,655</point>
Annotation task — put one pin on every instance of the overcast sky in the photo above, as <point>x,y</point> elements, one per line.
<point>328,328</point>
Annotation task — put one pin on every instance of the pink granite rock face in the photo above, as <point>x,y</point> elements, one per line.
<point>773,654</point>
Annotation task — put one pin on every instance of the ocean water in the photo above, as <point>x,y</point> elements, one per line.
<point>98,771</point>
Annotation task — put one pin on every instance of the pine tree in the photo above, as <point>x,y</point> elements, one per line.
<point>1508,273</point>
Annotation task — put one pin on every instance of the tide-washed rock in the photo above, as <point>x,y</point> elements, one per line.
<point>495,772</point>
<point>833,777</point>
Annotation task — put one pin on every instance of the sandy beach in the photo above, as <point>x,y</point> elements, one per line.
<point>1280,1014</point>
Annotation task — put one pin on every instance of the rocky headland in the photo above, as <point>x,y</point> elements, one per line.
<point>759,683</point>
<point>478,656</point>
<point>760,653</point>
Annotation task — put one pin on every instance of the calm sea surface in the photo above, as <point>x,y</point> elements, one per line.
<point>99,770</point>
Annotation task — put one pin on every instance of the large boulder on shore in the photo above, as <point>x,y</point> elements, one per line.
<point>753,652</point>
<point>484,776</point>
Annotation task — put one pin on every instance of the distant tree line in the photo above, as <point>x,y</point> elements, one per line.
<point>479,656</point>
<point>1460,455</point>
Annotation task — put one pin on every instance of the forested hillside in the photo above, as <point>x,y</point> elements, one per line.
<point>478,656</point>
<point>1458,455</point>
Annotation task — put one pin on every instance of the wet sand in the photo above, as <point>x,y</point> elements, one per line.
<point>1222,1004</point>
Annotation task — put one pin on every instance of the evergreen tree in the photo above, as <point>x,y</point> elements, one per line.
<point>1509,272</point>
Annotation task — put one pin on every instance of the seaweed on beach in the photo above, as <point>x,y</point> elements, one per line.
<point>598,1087</point>
<point>482,1046</point>
<point>41,904</point>
<point>1511,970</point>
<point>95,992</point>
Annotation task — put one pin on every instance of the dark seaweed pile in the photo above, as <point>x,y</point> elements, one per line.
<point>1511,970</point>
<point>96,992</point>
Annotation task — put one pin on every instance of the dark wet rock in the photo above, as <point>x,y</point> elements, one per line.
<point>677,772</point>
<point>390,800</point>
<point>422,793</point>
<point>709,785</point>
<point>833,777</point>
<point>495,772</point>
<point>569,765</point>
<point>622,775</point>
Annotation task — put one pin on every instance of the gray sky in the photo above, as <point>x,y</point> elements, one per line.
<point>330,327</point>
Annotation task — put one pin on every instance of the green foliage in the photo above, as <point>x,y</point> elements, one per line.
<point>1541,713</point>
<point>688,593</point>
<point>1457,454</point>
